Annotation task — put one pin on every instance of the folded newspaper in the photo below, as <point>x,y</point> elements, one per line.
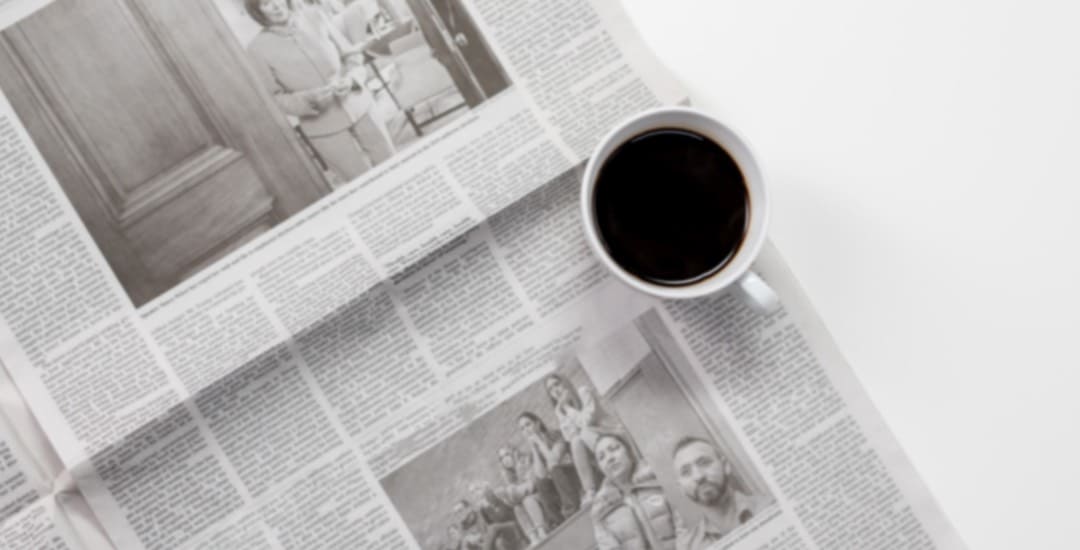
<point>309,274</point>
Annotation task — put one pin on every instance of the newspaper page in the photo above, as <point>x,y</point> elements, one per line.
<point>290,274</point>
<point>38,526</point>
<point>21,483</point>
<point>177,212</point>
<point>31,481</point>
<point>617,421</point>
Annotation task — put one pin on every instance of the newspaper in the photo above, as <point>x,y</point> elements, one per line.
<point>309,274</point>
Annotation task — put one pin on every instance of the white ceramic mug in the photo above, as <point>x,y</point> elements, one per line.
<point>737,271</point>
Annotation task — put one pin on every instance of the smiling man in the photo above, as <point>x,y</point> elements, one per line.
<point>705,476</point>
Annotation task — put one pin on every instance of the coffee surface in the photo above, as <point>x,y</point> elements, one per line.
<point>671,206</point>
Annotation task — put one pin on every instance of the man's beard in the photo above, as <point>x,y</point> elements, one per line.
<point>709,493</point>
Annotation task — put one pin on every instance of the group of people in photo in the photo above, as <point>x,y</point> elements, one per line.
<point>351,77</point>
<point>590,464</point>
<point>543,482</point>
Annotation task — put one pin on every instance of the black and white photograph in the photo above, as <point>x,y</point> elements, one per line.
<point>181,130</point>
<point>706,475</point>
<point>360,79</point>
<point>607,450</point>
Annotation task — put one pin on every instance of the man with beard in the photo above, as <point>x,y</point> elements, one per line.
<point>705,476</point>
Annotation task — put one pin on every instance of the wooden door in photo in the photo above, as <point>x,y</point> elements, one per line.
<point>158,131</point>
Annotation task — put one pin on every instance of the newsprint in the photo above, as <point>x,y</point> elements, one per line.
<point>309,274</point>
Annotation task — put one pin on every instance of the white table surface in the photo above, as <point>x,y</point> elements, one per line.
<point>924,162</point>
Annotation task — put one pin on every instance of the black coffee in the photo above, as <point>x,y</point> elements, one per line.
<point>671,206</point>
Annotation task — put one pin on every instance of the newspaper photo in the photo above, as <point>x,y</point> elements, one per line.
<point>332,93</point>
<point>311,274</point>
<point>552,464</point>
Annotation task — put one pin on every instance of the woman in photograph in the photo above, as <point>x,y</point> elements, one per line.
<point>502,526</point>
<point>453,538</point>
<point>551,459</point>
<point>316,75</point>
<point>581,419</point>
<point>528,496</point>
<point>477,534</point>
<point>630,511</point>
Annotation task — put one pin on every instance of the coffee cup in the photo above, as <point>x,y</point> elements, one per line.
<point>632,164</point>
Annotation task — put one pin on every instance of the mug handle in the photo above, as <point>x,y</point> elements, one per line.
<point>757,294</point>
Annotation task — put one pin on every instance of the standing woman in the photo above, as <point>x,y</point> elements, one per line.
<point>316,75</point>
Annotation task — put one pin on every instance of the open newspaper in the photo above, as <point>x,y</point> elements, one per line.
<point>310,274</point>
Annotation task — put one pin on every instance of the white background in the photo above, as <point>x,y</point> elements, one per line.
<point>924,163</point>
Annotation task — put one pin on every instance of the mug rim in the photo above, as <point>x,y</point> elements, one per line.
<point>734,144</point>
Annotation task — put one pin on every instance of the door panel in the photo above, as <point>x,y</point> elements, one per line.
<point>217,210</point>
<point>84,67</point>
<point>216,69</point>
<point>150,118</point>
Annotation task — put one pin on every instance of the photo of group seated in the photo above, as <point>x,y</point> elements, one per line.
<point>180,131</point>
<point>609,449</point>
